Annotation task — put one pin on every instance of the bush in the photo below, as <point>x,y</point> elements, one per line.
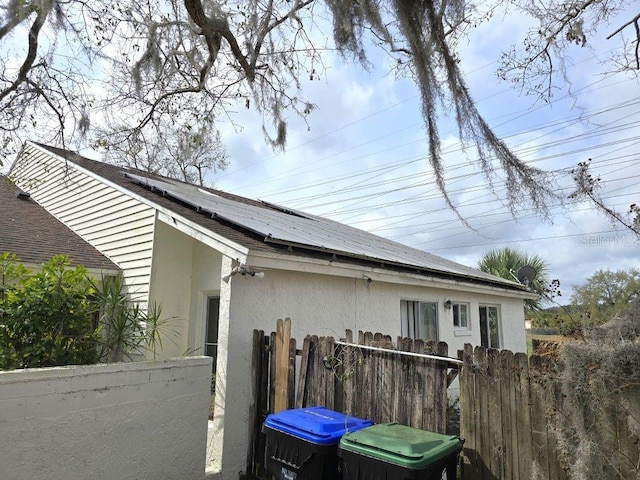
<point>60,316</point>
<point>46,319</point>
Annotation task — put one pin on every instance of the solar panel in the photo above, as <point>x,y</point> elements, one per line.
<point>289,227</point>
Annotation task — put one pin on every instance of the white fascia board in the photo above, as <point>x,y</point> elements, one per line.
<point>220,243</point>
<point>209,238</point>
<point>98,273</point>
<point>92,271</point>
<point>274,261</point>
<point>20,153</point>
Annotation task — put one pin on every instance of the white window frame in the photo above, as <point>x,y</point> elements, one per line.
<point>485,330</point>
<point>412,323</point>
<point>455,308</point>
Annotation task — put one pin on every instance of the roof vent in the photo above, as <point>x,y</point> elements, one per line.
<point>23,195</point>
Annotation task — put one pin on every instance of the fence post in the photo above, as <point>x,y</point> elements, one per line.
<point>283,333</point>
<point>257,405</point>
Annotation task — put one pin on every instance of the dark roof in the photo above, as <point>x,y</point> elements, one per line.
<point>35,235</point>
<point>116,175</point>
<point>425,263</point>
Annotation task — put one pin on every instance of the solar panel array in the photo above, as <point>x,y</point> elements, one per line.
<point>298,229</point>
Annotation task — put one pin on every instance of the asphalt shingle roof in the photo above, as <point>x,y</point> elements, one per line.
<point>35,235</point>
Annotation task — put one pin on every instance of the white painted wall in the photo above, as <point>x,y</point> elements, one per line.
<point>324,305</point>
<point>206,279</point>
<point>327,305</point>
<point>171,286</point>
<point>137,421</point>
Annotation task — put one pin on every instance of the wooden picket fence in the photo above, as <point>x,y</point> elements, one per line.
<point>508,402</point>
<point>376,384</point>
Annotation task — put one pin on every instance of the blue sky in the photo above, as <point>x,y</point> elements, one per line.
<point>361,160</point>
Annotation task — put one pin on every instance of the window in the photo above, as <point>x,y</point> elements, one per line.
<point>211,337</point>
<point>461,316</point>
<point>489,327</point>
<point>419,320</point>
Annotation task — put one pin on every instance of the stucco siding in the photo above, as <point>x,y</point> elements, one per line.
<point>171,287</point>
<point>206,280</point>
<point>113,222</point>
<point>327,305</point>
<point>141,421</point>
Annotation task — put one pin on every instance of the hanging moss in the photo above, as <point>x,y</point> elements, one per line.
<point>598,428</point>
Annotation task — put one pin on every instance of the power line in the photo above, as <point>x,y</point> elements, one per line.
<point>302,200</point>
<point>551,237</point>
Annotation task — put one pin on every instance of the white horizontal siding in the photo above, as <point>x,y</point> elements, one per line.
<point>125,252</point>
<point>95,227</point>
<point>110,214</point>
<point>118,225</point>
<point>102,198</point>
<point>129,233</point>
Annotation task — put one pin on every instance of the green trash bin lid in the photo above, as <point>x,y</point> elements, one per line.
<point>401,445</point>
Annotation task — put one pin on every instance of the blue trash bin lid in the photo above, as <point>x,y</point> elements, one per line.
<point>315,424</point>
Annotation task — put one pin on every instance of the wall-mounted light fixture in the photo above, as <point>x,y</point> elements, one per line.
<point>448,304</point>
<point>242,270</point>
<point>367,280</point>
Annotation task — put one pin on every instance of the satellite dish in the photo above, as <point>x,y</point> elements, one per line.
<point>526,274</point>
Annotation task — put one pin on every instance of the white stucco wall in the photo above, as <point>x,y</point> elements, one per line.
<point>206,280</point>
<point>323,304</point>
<point>327,305</point>
<point>171,287</point>
<point>138,421</point>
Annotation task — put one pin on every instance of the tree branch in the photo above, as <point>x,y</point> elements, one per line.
<point>16,20</point>
<point>633,21</point>
<point>213,29</point>
<point>265,27</point>
<point>33,49</point>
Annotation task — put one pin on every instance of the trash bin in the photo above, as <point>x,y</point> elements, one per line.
<point>302,443</point>
<point>393,451</point>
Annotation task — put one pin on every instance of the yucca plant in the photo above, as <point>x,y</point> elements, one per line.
<point>125,327</point>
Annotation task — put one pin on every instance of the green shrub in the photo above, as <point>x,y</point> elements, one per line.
<point>60,316</point>
<point>46,318</point>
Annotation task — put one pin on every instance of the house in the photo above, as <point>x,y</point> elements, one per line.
<point>222,265</point>
<point>34,235</point>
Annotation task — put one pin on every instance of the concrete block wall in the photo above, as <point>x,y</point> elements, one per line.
<point>145,420</point>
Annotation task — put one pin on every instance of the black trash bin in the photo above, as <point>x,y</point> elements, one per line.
<point>302,443</point>
<point>394,451</point>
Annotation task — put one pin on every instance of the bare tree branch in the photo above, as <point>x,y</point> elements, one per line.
<point>29,60</point>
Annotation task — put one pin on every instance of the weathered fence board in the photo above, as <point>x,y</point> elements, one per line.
<point>382,386</point>
<point>505,404</point>
<point>281,347</point>
<point>258,409</point>
<point>524,442</point>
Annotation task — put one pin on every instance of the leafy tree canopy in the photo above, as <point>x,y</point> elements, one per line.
<point>60,316</point>
<point>605,294</point>
<point>116,71</point>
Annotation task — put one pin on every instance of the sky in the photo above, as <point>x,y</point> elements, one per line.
<point>361,157</point>
<point>361,160</point>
